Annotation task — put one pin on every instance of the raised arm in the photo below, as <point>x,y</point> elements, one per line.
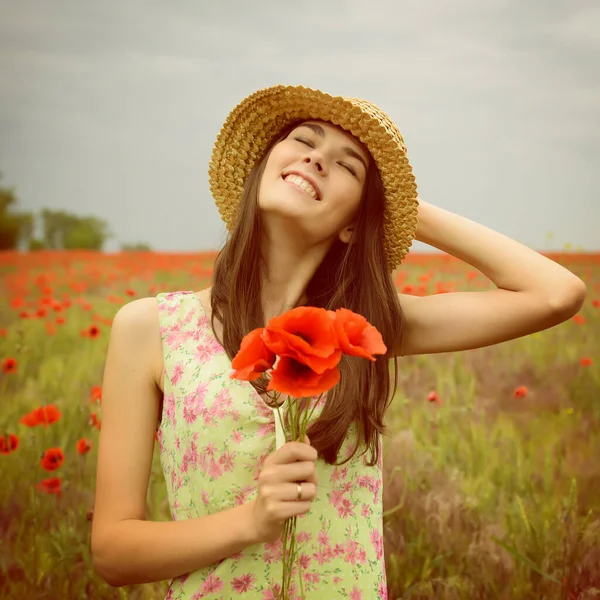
<point>533,292</point>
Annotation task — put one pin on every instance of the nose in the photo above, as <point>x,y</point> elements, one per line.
<point>318,163</point>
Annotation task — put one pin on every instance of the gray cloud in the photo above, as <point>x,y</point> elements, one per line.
<point>112,108</point>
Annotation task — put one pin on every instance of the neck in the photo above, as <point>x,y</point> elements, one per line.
<point>288,268</point>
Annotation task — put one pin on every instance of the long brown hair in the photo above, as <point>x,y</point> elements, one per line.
<point>353,276</point>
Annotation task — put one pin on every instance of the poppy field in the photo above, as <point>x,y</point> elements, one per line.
<point>492,458</point>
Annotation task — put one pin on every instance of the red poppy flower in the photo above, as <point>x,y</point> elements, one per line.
<point>50,486</point>
<point>596,303</point>
<point>9,365</point>
<point>96,394</point>
<point>8,443</point>
<point>44,415</point>
<point>83,446</point>
<point>299,380</point>
<point>580,320</point>
<point>93,331</point>
<point>307,335</point>
<point>95,421</point>
<point>52,459</point>
<point>586,361</point>
<point>521,392</point>
<point>130,292</point>
<point>433,397</point>
<point>253,357</point>
<point>356,336</point>
<point>17,302</point>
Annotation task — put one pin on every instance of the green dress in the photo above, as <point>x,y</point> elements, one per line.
<point>214,436</point>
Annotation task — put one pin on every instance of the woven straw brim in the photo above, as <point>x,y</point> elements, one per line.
<point>256,121</point>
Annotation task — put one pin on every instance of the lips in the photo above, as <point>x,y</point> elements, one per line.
<point>308,179</point>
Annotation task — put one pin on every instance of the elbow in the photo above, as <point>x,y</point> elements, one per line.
<point>103,565</point>
<point>567,300</point>
<point>104,571</point>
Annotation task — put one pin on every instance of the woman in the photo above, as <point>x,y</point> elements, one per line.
<point>321,205</point>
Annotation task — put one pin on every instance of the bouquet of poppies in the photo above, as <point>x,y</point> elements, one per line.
<point>300,351</point>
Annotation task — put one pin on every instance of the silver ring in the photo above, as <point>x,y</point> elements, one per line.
<point>299,492</point>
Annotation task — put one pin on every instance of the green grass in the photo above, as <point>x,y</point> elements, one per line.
<point>485,495</point>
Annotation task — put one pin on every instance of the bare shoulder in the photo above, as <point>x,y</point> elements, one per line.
<point>136,329</point>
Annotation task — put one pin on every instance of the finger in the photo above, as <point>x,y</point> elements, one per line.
<point>296,471</point>
<point>286,510</point>
<point>292,451</point>
<point>289,492</point>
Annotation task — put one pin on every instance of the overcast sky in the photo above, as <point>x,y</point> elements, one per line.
<point>111,108</point>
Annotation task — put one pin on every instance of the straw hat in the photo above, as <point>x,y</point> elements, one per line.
<point>254,123</point>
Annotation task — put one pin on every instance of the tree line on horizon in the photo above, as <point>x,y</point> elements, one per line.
<point>59,229</point>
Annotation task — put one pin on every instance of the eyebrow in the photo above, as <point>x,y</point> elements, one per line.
<point>347,150</point>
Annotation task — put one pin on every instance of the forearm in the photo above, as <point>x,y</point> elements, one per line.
<point>137,552</point>
<point>508,263</point>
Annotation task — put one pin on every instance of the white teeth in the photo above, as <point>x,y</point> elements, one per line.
<point>302,183</point>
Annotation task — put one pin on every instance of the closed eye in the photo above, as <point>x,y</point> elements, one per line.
<point>311,145</point>
<point>304,141</point>
<point>349,168</point>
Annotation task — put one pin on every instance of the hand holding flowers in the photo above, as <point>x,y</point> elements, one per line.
<point>300,350</point>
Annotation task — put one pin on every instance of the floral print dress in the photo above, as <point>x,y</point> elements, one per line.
<point>214,436</point>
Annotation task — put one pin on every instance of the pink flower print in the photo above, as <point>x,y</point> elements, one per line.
<point>177,373</point>
<point>214,347</point>
<point>276,548</point>
<point>323,538</point>
<point>345,508</point>
<point>335,497</point>
<point>337,580</point>
<point>211,584</point>
<point>303,537</point>
<point>244,583</point>
<point>235,414</point>
<point>273,593</point>
<point>382,591</point>
<point>223,398</point>
<point>210,450</point>
<point>377,541</point>
<point>351,552</point>
<point>237,436</point>
<point>242,495</point>
<point>227,460</point>
<point>187,318</point>
<point>365,511</point>
<point>172,309</point>
<point>202,354</point>
<point>205,498</point>
<point>266,429</point>
<point>169,409</point>
<point>190,414</point>
<point>362,556</point>
<point>322,556</point>
<point>313,577</point>
<point>304,560</point>
<point>173,338</point>
<point>355,594</point>
<point>214,470</point>
<point>347,486</point>
<point>190,458</point>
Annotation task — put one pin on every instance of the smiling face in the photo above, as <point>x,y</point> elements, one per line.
<point>314,180</point>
